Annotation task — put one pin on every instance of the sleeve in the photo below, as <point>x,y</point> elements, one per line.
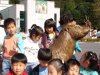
<point>59,29</point>
<point>94,73</point>
<point>77,47</point>
<point>44,40</point>
<point>20,43</point>
<point>3,42</point>
<point>3,35</point>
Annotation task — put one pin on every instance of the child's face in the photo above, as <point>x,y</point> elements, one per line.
<point>52,70</point>
<point>49,29</point>
<point>73,70</point>
<point>84,62</point>
<point>43,63</point>
<point>36,38</point>
<point>11,29</point>
<point>18,68</point>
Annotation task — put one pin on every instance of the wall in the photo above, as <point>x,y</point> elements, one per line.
<point>39,18</point>
<point>32,15</point>
<point>4,1</point>
<point>4,10</point>
<point>12,11</point>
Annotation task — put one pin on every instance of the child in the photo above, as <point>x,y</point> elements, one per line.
<point>55,67</point>
<point>72,67</point>
<point>50,32</point>
<point>18,64</point>
<point>44,55</point>
<point>31,46</point>
<point>89,63</point>
<point>12,44</point>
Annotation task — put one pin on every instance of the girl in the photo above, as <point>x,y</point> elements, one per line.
<point>55,67</point>
<point>50,33</point>
<point>89,63</point>
<point>72,67</point>
<point>31,46</point>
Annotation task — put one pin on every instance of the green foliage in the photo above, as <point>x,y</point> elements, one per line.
<point>96,14</point>
<point>14,1</point>
<point>80,9</point>
<point>90,40</point>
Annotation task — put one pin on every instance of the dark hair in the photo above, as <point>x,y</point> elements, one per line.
<point>44,54</point>
<point>1,17</point>
<point>57,63</point>
<point>50,23</point>
<point>19,57</point>
<point>8,21</point>
<point>71,62</point>
<point>93,60</point>
<point>37,30</point>
<point>64,19</point>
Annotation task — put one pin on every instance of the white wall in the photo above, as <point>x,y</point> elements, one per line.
<point>19,7</point>
<point>4,10</point>
<point>4,1</point>
<point>29,6</point>
<point>12,11</point>
<point>57,11</point>
<point>30,11</point>
<point>37,18</point>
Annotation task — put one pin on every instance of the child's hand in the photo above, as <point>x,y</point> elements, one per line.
<point>12,52</point>
<point>80,51</point>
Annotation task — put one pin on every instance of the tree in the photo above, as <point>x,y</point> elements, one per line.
<point>14,1</point>
<point>96,14</point>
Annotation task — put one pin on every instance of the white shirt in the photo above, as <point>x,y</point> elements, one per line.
<point>31,50</point>
<point>3,34</point>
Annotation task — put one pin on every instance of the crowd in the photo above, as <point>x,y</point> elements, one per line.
<point>32,56</point>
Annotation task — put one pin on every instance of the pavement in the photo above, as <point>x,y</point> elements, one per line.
<point>88,46</point>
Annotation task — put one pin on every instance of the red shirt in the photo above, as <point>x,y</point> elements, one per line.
<point>11,73</point>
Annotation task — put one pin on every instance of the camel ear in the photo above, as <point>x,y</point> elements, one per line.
<point>87,21</point>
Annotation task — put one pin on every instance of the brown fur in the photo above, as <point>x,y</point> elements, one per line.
<point>64,45</point>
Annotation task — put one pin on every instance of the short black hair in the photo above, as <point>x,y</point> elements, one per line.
<point>8,21</point>
<point>44,54</point>
<point>37,30</point>
<point>71,62</point>
<point>19,57</point>
<point>64,19</point>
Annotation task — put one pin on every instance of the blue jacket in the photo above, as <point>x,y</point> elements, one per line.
<point>77,47</point>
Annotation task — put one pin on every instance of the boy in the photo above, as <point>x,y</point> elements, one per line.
<point>12,44</point>
<point>18,64</point>
<point>44,55</point>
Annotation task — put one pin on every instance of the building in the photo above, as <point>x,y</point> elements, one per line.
<point>30,12</point>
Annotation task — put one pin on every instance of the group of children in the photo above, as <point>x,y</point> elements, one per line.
<point>49,66</point>
<point>32,56</point>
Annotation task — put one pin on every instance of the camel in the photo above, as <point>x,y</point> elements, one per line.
<point>64,45</point>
